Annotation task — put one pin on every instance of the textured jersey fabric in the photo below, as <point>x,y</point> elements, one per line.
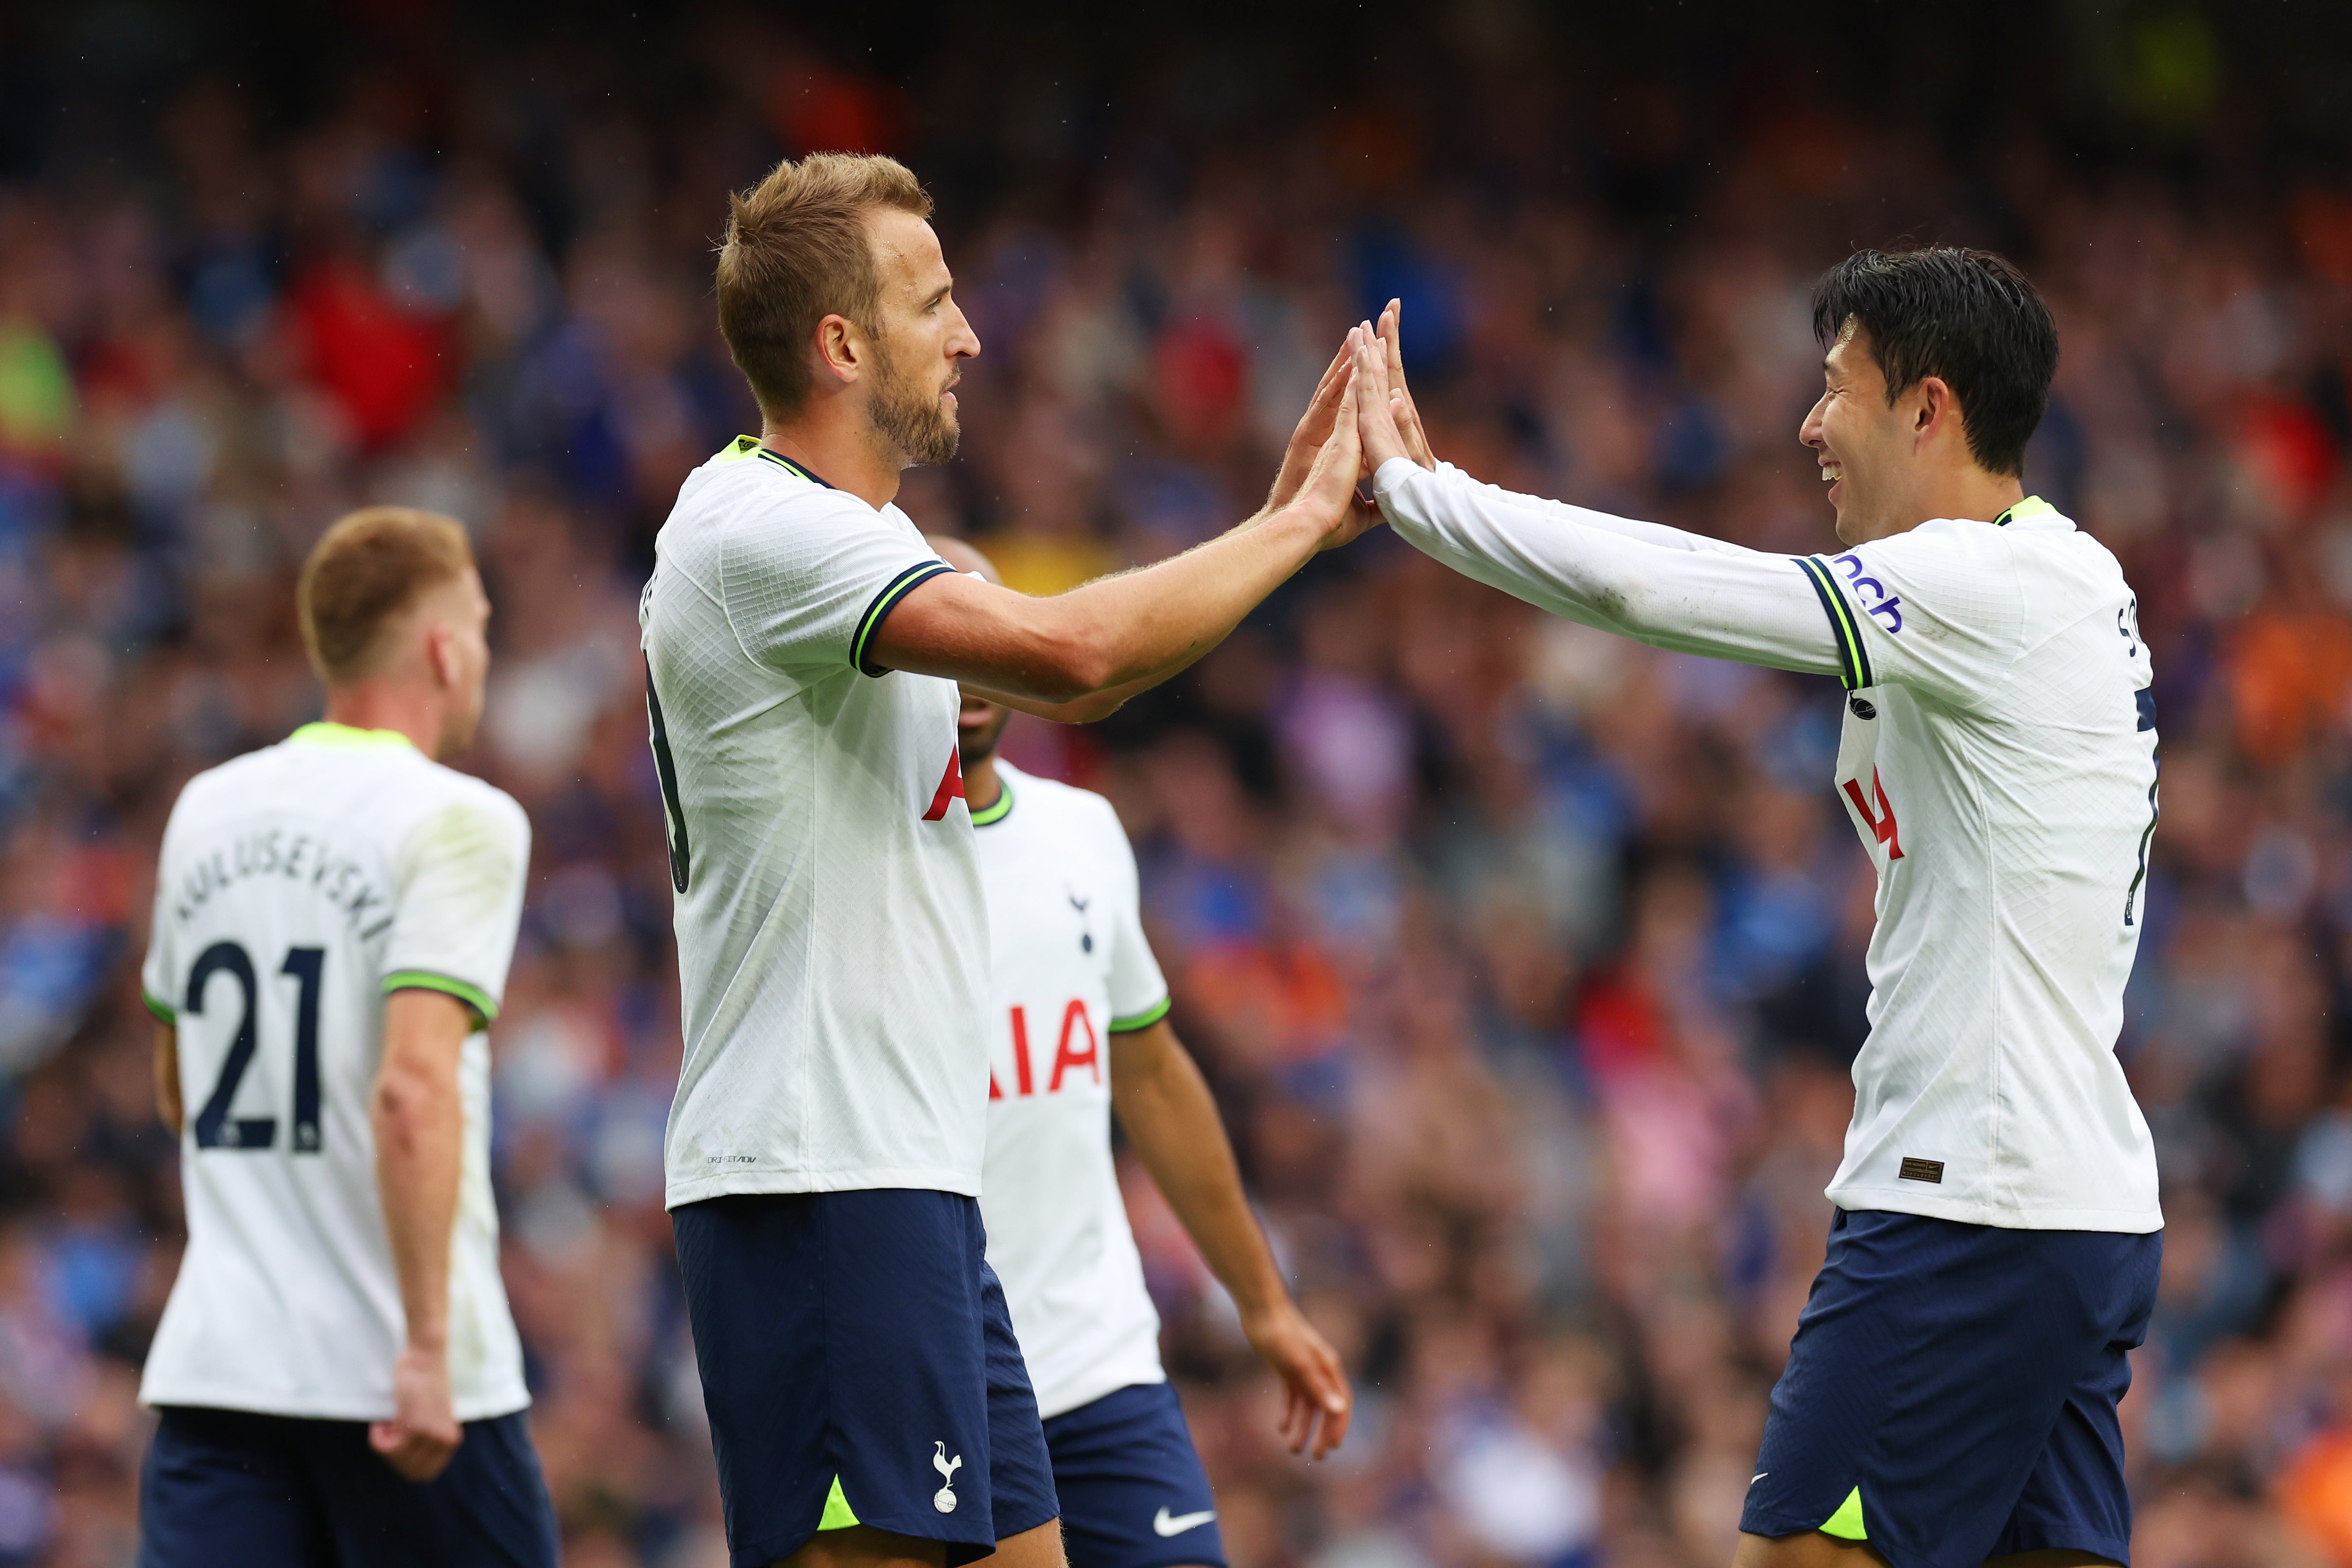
<point>1070,969</point>
<point>1998,763</point>
<point>832,948</point>
<point>297,886</point>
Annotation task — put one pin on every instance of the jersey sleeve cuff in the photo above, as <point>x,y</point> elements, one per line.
<point>1853,659</point>
<point>897,589</point>
<point>1144,1020</point>
<point>165,1013</point>
<point>483,1006</point>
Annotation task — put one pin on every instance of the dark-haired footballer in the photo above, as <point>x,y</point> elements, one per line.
<point>1950,1396</point>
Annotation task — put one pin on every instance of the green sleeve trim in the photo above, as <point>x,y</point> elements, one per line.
<point>1853,659</point>
<point>897,589</point>
<point>164,1012</point>
<point>474,996</point>
<point>838,1514</point>
<point>1144,1020</point>
<point>1846,1522</point>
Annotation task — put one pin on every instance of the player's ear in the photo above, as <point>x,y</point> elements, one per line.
<point>1934,402</point>
<point>441,654</point>
<point>840,349</point>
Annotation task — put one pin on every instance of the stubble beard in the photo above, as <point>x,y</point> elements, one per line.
<point>909,419</point>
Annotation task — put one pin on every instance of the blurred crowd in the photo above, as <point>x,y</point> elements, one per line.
<point>1526,963</point>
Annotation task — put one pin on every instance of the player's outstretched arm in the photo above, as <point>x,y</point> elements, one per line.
<point>1727,602</point>
<point>1171,1120</point>
<point>419,1121</point>
<point>1079,654</point>
<point>1390,330</point>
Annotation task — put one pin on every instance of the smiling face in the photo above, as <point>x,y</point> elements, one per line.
<point>1866,448</point>
<point>921,342</point>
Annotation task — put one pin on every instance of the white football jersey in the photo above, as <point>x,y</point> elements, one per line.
<point>1999,760</point>
<point>299,885</point>
<point>831,940</point>
<point>1071,968</point>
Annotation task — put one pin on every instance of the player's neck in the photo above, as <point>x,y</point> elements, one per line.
<point>1964,490</point>
<point>831,438</point>
<point>980,784</point>
<point>384,705</point>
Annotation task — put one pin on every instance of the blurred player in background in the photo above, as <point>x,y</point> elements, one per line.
<point>338,1377</point>
<point>1951,1393</point>
<point>866,1399</point>
<point>1079,1020</point>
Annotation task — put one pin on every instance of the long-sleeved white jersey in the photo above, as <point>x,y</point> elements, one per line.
<point>1999,762</point>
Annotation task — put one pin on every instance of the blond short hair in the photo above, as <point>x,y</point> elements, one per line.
<point>797,250</point>
<point>363,571</point>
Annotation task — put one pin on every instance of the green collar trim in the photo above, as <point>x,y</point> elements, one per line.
<point>744,446</point>
<point>324,733</point>
<point>2032,506</point>
<point>994,812</point>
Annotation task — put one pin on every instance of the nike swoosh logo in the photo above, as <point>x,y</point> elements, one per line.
<point>1759,1476</point>
<point>1163,1524</point>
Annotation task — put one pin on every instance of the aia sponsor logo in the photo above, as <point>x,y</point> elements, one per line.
<point>950,788</point>
<point>1067,1058</point>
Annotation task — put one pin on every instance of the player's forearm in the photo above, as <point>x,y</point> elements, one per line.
<point>1122,634</point>
<point>418,1115</point>
<point>1743,604</point>
<point>1171,1120</point>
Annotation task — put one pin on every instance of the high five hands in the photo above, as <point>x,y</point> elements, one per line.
<point>1361,409</point>
<point>1384,407</point>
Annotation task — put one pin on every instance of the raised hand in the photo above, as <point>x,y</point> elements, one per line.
<point>1314,430</point>
<point>1328,494</point>
<point>1408,417</point>
<point>1375,410</point>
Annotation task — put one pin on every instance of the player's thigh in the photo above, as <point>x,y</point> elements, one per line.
<point>863,1546</point>
<point>222,1488</point>
<point>488,1509</point>
<point>1810,1550</point>
<point>1040,1546</point>
<point>1133,1491</point>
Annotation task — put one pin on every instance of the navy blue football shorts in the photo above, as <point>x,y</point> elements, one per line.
<point>225,1488</point>
<point>859,1367</point>
<point>1133,1492</point>
<point>1951,1392</point>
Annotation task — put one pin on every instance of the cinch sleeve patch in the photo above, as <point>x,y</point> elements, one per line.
<point>897,589</point>
<point>1144,1020</point>
<point>474,996</point>
<point>1853,659</point>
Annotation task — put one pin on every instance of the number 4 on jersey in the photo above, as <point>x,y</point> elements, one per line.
<point>1882,825</point>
